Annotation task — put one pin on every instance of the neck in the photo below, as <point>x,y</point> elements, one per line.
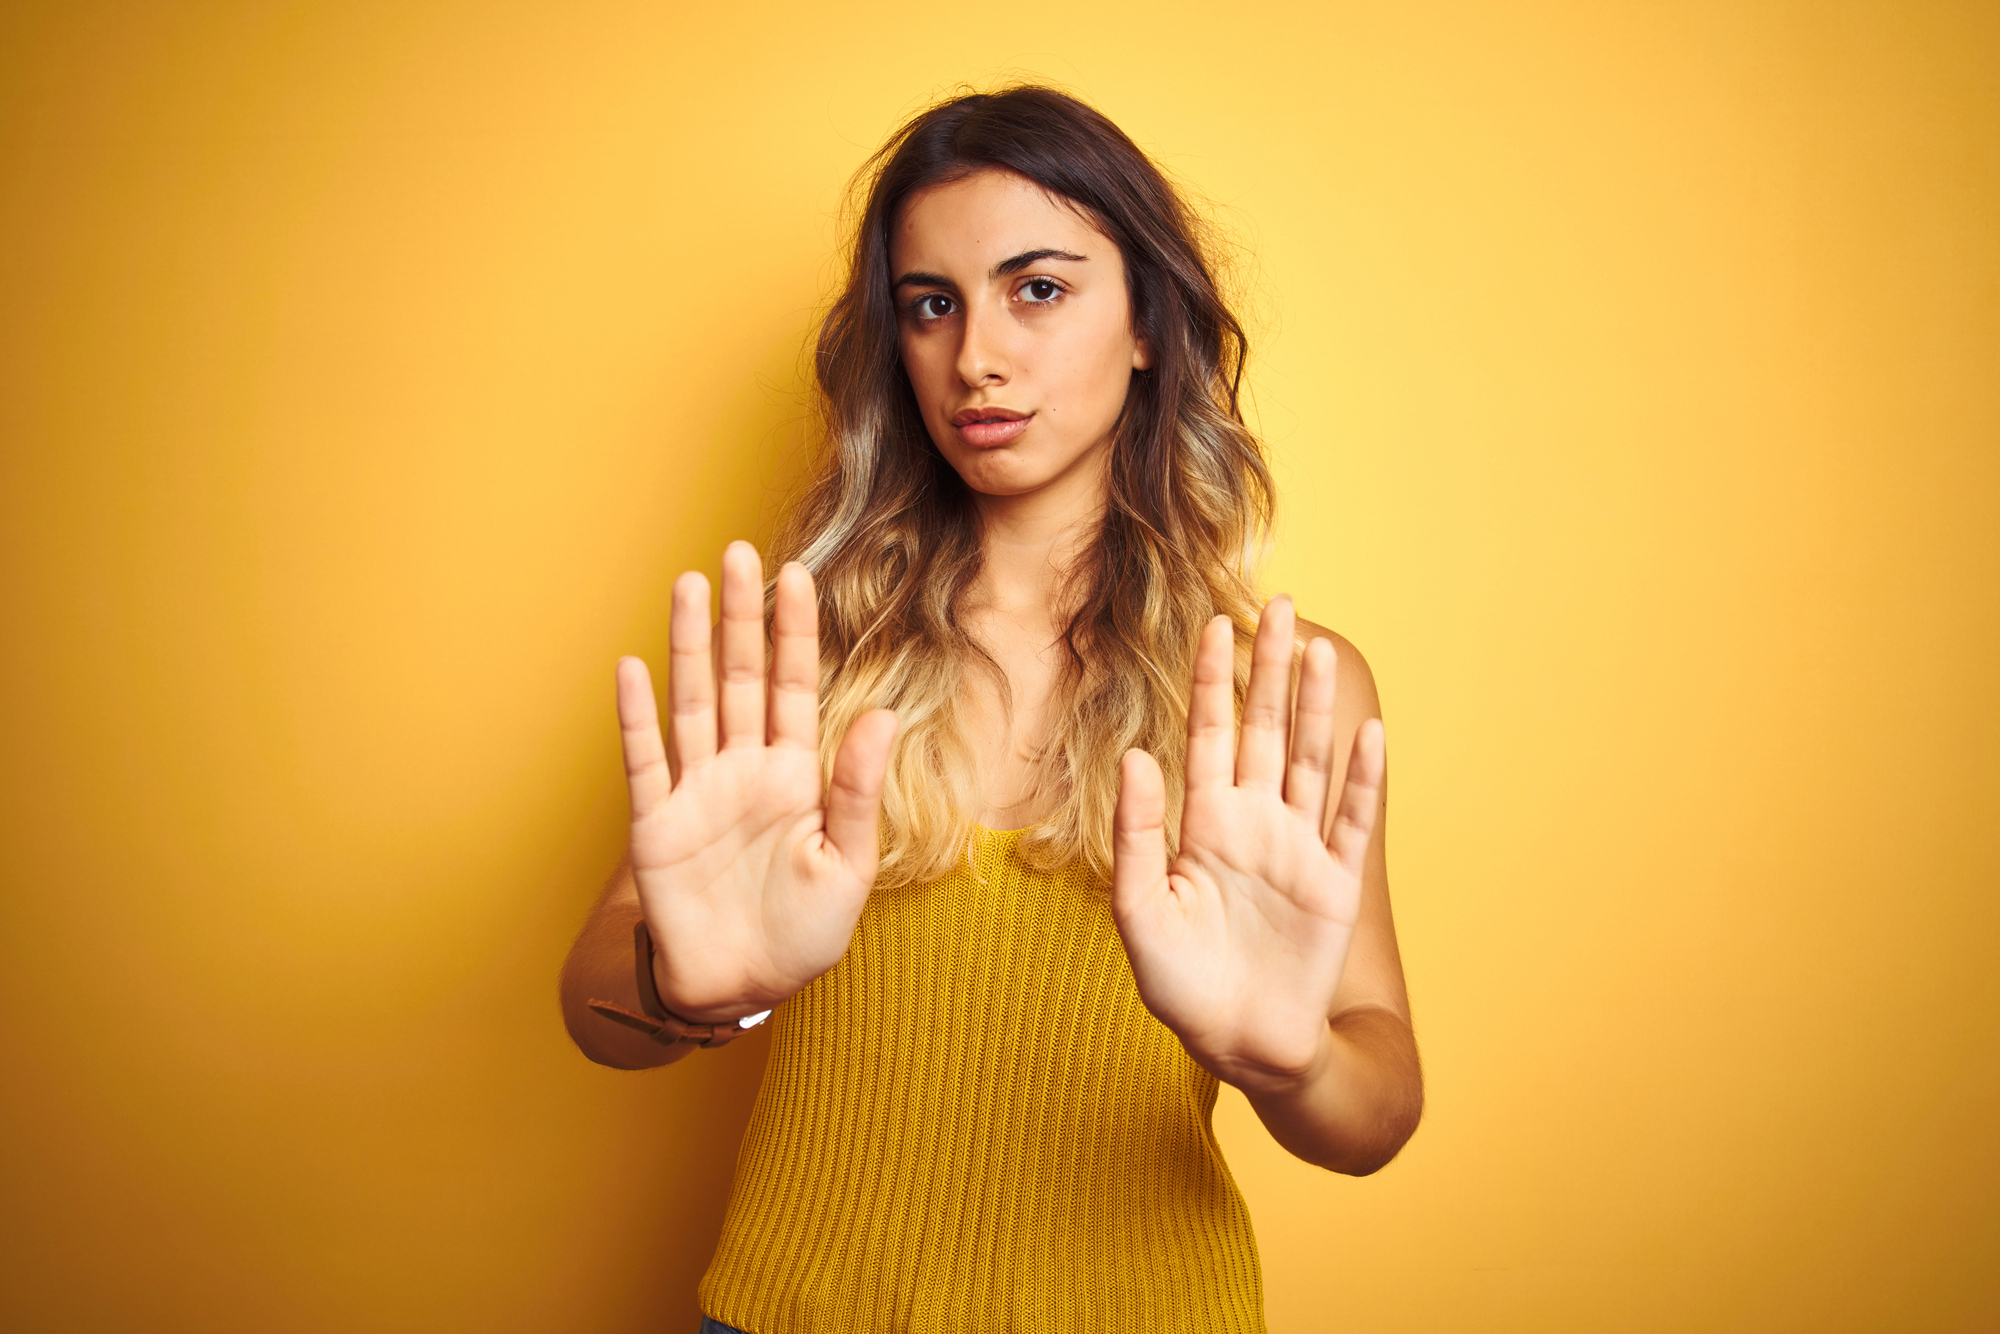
<point>1028,541</point>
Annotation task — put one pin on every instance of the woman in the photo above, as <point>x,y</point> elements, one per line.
<point>1011,950</point>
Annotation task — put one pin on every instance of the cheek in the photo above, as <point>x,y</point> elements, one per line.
<point>1096,371</point>
<point>912,354</point>
<point>921,365</point>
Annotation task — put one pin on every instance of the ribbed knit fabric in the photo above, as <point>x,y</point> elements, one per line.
<point>971,1123</point>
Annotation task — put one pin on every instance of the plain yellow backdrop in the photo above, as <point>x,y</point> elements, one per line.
<point>369,370</point>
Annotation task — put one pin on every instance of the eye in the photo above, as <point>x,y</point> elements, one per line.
<point>1040,291</point>
<point>931,306</point>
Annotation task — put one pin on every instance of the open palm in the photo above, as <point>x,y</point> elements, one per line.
<point>750,874</point>
<point>1238,945</point>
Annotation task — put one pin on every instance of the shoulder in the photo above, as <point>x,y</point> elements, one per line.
<point>1355,696</point>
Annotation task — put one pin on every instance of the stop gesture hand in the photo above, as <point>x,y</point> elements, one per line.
<point>751,877</point>
<point>1238,945</point>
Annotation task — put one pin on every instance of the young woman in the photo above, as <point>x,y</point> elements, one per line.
<point>985,838</point>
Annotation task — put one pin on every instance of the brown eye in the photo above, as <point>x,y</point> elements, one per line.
<point>1040,291</point>
<point>933,306</point>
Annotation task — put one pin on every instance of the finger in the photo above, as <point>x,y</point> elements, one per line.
<point>1267,701</point>
<point>691,680</point>
<point>854,797</point>
<point>1139,834</point>
<point>1211,749</point>
<point>795,661</point>
<point>1360,798</point>
<point>742,646</point>
<point>1311,771</point>
<point>639,725</point>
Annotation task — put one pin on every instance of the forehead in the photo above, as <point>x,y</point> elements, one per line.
<point>978,220</point>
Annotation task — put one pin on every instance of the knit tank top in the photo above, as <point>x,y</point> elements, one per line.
<point>971,1123</point>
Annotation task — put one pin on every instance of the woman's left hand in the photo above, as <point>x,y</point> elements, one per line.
<point>1238,945</point>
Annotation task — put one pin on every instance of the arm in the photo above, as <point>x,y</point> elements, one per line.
<point>748,871</point>
<point>1266,944</point>
<point>603,965</point>
<point>1361,1102</point>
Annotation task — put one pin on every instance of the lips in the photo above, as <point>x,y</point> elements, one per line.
<point>989,428</point>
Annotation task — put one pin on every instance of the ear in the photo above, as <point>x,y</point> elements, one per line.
<point>1142,355</point>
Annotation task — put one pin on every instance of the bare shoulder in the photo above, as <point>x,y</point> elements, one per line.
<point>1355,697</point>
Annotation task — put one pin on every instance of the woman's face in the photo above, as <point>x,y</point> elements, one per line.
<point>1016,330</point>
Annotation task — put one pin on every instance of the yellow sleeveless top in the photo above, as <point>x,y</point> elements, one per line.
<point>972,1123</point>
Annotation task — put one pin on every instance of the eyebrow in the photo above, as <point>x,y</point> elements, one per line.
<point>1011,265</point>
<point>1027,257</point>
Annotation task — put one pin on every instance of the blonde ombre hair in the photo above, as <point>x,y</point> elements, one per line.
<point>891,536</point>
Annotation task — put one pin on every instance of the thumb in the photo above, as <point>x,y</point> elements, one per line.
<point>1138,835</point>
<point>854,797</point>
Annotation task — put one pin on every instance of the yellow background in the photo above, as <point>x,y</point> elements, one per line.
<point>370,368</point>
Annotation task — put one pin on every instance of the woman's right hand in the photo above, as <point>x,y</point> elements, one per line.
<point>750,875</point>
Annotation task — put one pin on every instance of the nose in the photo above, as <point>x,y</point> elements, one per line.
<point>983,357</point>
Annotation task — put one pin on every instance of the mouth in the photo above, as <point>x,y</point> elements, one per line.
<point>989,428</point>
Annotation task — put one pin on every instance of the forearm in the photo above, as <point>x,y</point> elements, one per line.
<point>603,965</point>
<point>1360,1103</point>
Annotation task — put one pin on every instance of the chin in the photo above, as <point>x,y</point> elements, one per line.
<point>991,476</point>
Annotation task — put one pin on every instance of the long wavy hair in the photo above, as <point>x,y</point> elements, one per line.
<point>892,537</point>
